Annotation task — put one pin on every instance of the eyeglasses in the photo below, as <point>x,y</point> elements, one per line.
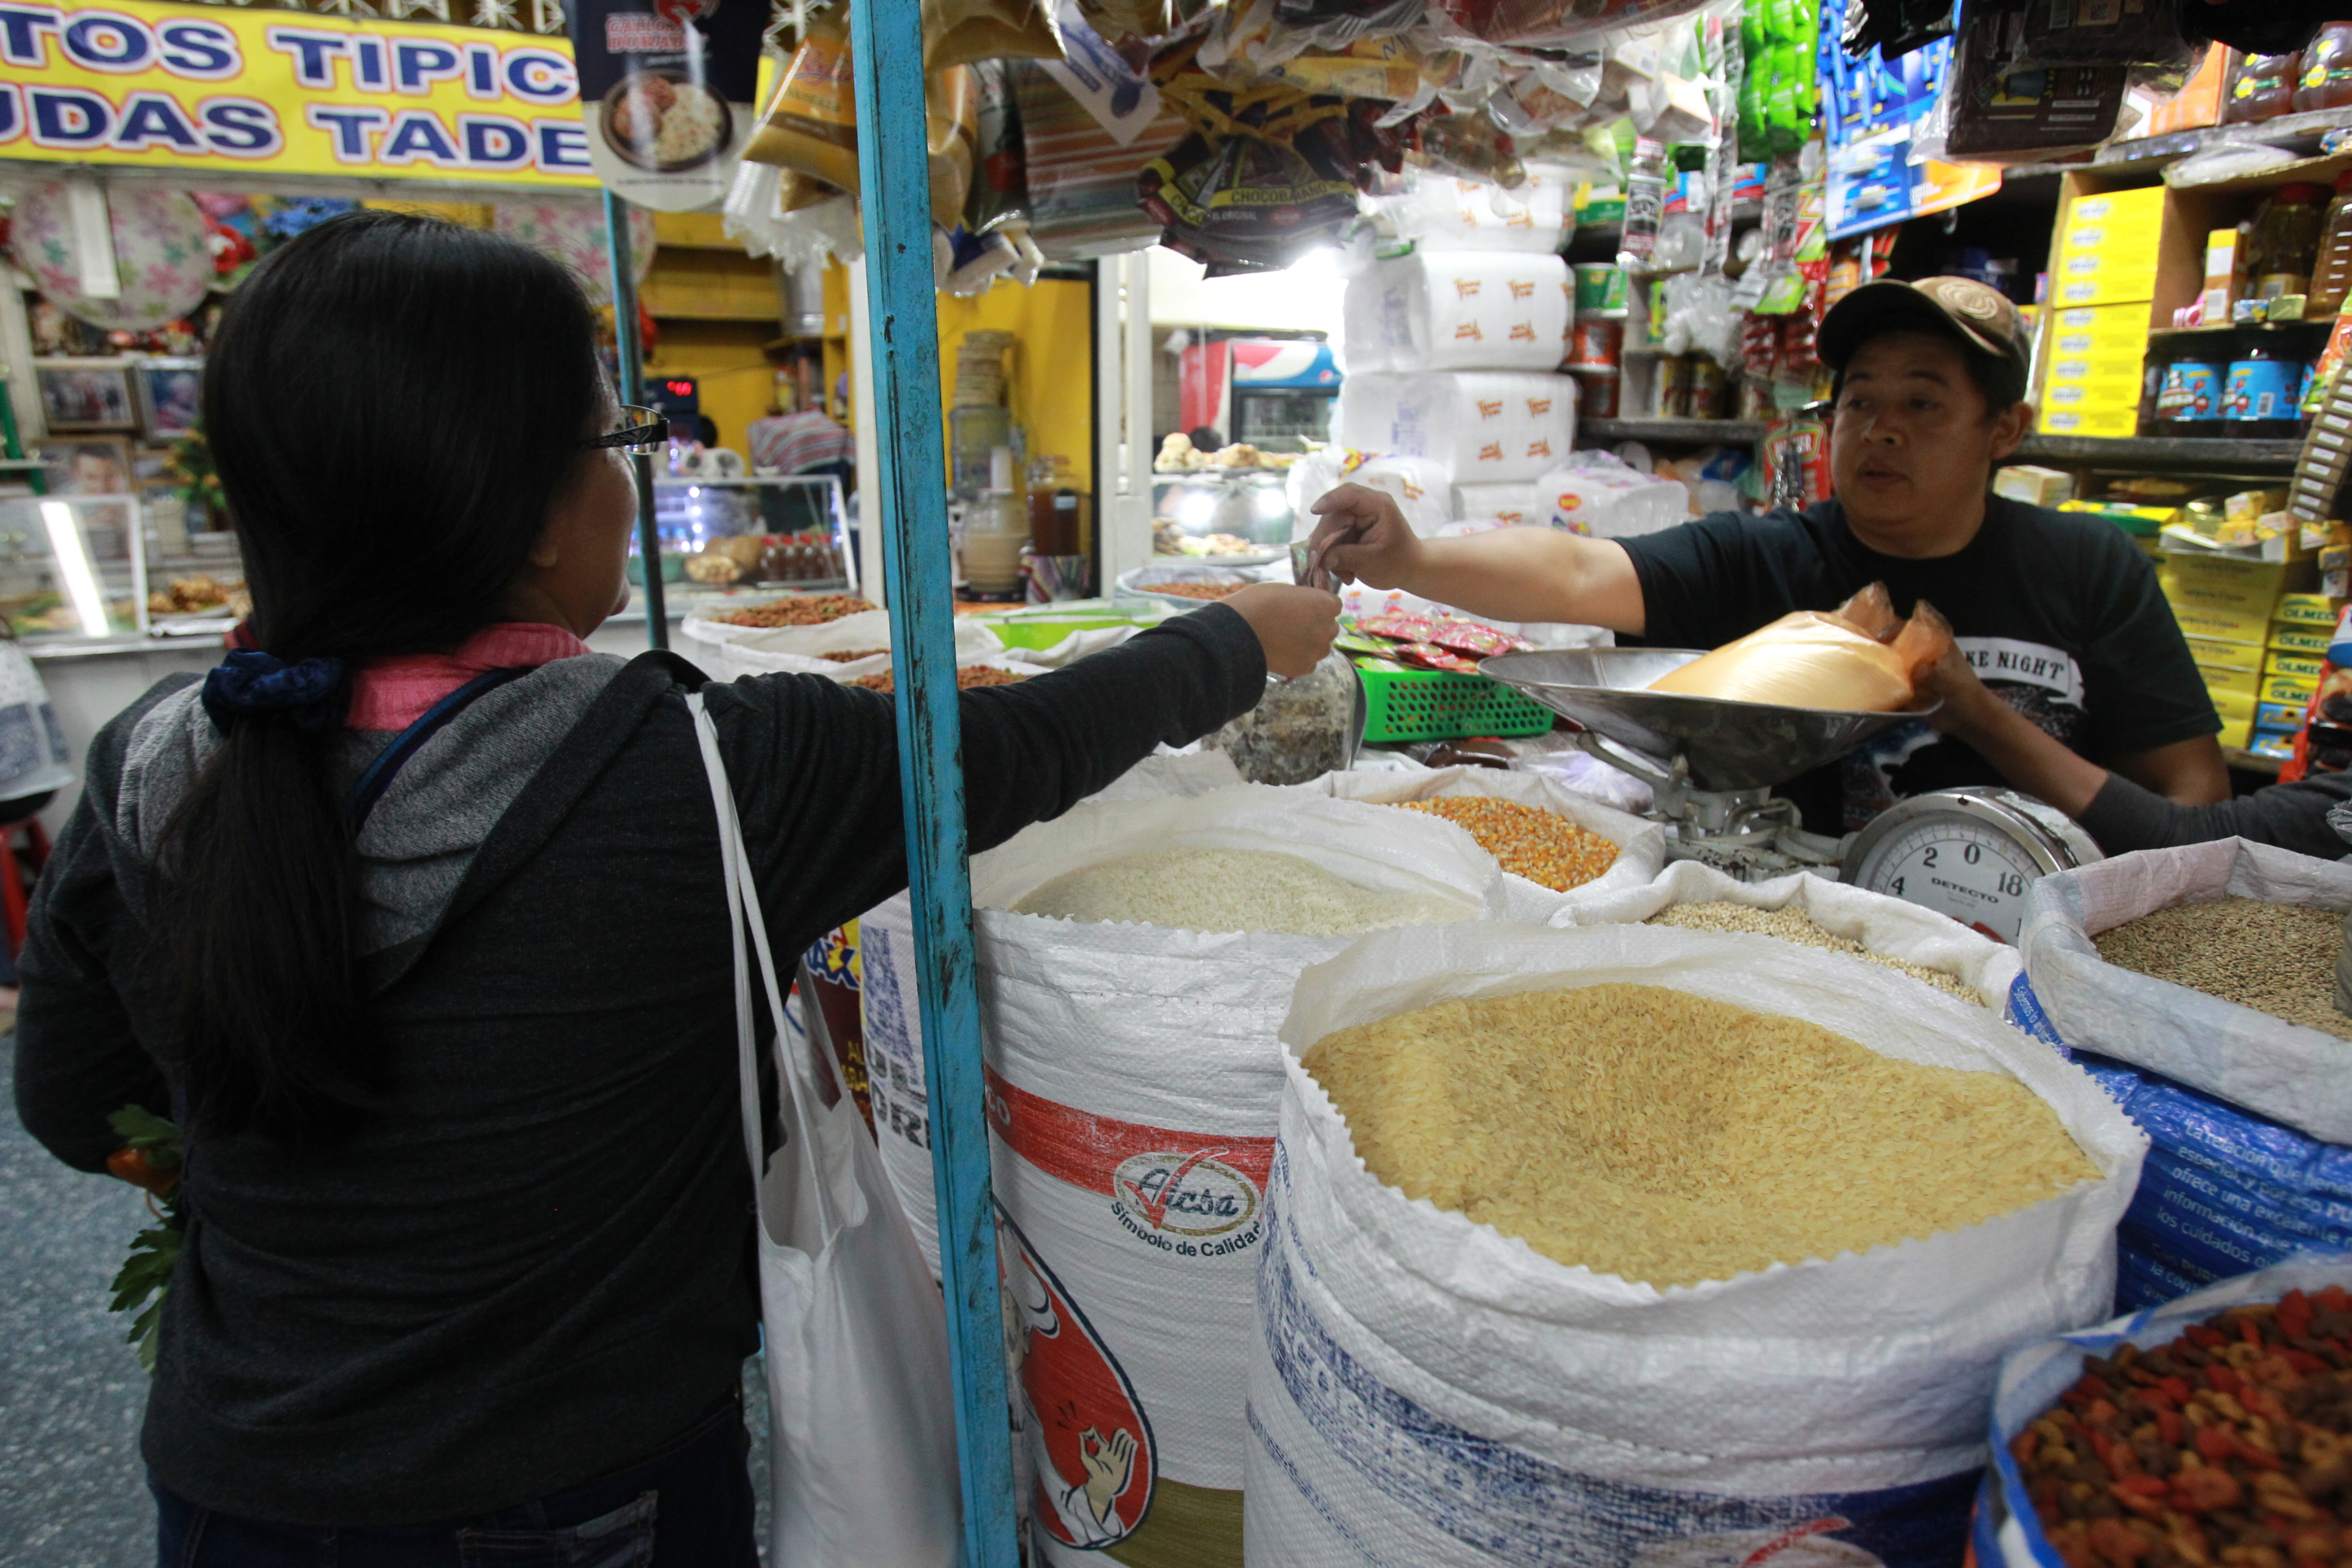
<point>638,430</point>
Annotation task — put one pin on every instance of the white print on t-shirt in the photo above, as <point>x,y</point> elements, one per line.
<point>1998,660</point>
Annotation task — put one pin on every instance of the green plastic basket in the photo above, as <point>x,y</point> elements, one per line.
<point>1403,704</point>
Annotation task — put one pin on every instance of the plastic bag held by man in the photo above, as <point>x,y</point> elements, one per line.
<point>1859,657</point>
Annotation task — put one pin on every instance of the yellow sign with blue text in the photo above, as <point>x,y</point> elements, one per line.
<point>284,92</point>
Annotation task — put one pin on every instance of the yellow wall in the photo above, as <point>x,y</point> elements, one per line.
<point>1050,377</point>
<point>737,379</point>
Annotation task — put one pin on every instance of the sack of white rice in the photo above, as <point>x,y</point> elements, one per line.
<point>1133,1077</point>
<point>893,1023</point>
<point>1836,916</point>
<point>2220,1002</point>
<point>1558,849</point>
<point>1817,1208</point>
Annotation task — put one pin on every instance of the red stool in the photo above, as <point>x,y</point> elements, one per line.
<point>13,899</point>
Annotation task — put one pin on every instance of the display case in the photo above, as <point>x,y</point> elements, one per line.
<point>71,567</point>
<point>1231,516</point>
<point>723,535</point>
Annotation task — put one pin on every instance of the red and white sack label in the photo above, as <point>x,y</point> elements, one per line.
<point>1189,1194</point>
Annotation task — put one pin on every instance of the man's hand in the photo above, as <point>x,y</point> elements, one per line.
<point>1364,538</point>
<point>1965,697</point>
<point>1294,625</point>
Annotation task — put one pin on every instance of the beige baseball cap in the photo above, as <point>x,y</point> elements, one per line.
<point>1981,314</point>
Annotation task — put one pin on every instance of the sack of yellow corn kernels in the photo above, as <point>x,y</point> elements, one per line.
<point>1558,849</point>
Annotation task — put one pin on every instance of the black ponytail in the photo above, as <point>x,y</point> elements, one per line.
<point>393,405</point>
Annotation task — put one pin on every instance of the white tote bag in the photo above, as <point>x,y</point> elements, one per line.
<point>864,1451</point>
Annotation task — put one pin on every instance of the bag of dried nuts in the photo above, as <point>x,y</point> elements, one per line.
<point>2213,1432</point>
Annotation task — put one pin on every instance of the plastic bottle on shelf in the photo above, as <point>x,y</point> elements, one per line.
<point>2331,279</point>
<point>2288,233</point>
<point>2326,79</point>
<point>2261,86</point>
<point>2190,403</point>
<point>1646,202</point>
<point>2264,378</point>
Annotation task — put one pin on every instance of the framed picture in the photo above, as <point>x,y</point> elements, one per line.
<point>167,390</point>
<point>85,395</point>
<point>87,467</point>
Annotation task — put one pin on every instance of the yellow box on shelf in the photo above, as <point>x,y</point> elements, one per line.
<point>2289,690</point>
<point>2221,679</point>
<point>2310,609</point>
<point>2293,665</point>
<point>2228,584</point>
<point>2099,330</point>
<point>2234,707</point>
<point>2236,734</point>
<point>2293,636</point>
<point>2113,396</point>
<point>2103,363</point>
<point>2109,421</point>
<point>2219,626</point>
<point>2117,211</point>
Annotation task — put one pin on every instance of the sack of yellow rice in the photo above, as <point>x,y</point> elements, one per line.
<point>1837,916</point>
<point>1859,657</point>
<point>1817,1208</point>
<point>1556,848</point>
<point>1133,1078</point>
<point>2230,987</point>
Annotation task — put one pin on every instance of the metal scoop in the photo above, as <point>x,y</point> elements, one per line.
<point>1725,745</point>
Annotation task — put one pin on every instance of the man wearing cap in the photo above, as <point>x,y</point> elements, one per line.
<point>2058,614</point>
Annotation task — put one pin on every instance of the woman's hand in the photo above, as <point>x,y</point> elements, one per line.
<point>1294,625</point>
<point>1364,537</point>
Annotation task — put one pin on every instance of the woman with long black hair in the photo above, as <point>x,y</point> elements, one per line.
<point>413,914</point>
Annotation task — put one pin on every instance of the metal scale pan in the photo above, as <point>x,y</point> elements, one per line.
<point>1725,747</point>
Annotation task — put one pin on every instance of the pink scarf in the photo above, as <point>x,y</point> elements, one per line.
<point>393,693</point>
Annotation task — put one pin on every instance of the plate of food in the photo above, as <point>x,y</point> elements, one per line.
<point>664,120</point>
<point>1185,583</point>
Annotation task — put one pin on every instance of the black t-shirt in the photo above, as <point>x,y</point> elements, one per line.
<point>2059,612</point>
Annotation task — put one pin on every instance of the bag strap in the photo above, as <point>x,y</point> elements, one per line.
<point>795,1081</point>
<point>409,742</point>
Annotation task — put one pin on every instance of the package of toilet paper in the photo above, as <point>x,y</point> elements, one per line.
<point>1423,487</point>
<point>1595,494</point>
<point>1486,427</point>
<point>1443,212</point>
<point>1459,309</point>
<point>1513,505</point>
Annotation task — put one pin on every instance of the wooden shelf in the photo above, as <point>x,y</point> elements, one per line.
<point>2160,452</point>
<point>2251,762</point>
<point>1701,432</point>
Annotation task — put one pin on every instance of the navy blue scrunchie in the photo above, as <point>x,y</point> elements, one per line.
<point>311,692</point>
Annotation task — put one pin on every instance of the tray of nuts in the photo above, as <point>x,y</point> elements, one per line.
<point>2214,1432</point>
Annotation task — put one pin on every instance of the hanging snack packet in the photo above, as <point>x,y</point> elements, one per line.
<point>1429,655</point>
<point>958,32</point>
<point>812,123</point>
<point>1399,626</point>
<point>1267,173</point>
<point>999,180</point>
<point>951,110</point>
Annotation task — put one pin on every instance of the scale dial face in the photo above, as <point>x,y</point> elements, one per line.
<point>1972,871</point>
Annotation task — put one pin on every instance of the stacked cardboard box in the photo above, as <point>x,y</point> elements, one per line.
<point>2295,654</point>
<point>2225,605</point>
<point>2101,285</point>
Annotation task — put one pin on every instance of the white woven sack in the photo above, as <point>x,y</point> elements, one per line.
<point>729,652</point>
<point>1643,845</point>
<point>2300,1076</point>
<point>1427,1391</point>
<point>1886,926</point>
<point>1133,1081</point>
<point>893,1020</point>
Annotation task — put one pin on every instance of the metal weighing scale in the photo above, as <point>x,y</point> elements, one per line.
<point>1713,764</point>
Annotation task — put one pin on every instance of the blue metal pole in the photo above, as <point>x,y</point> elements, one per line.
<point>630,350</point>
<point>894,174</point>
